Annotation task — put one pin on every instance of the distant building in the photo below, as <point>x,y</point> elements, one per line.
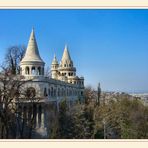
<point>143,97</point>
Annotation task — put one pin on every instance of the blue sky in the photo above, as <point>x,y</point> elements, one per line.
<point>107,46</point>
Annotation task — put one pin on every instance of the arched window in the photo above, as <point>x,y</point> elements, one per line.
<point>42,71</point>
<point>30,112</point>
<point>63,92</point>
<point>33,71</point>
<point>39,70</point>
<point>27,70</point>
<point>24,112</point>
<point>67,92</point>
<point>48,92</point>
<point>45,92</point>
<point>30,93</point>
<point>76,92</point>
<point>52,91</point>
<point>58,91</point>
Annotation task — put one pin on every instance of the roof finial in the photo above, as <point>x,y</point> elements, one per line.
<point>54,61</point>
<point>33,28</point>
<point>66,46</point>
<point>54,55</point>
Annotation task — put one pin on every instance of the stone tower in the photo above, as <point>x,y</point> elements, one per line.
<point>65,71</point>
<point>54,68</point>
<point>32,66</point>
<point>66,67</point>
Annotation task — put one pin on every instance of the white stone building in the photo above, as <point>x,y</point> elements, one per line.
<point>63,83</point>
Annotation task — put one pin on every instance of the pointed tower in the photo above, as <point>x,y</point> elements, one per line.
<point>66,56</point>
<point>32,64</point>
<point>66,67</point>
<point>66,61</point>
<point>54,68</point>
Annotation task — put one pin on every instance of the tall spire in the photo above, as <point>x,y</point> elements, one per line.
<point>32,52</point>
<point>66,55</point>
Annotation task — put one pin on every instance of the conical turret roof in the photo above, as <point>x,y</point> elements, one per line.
<point>54,61</point>
<point>66,55</point>
<point>32,52</point>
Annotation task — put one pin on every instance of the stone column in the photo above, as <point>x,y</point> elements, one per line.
<point>22,114</point>
<point>30,70</point>
<point>69,103</point>
<point>45,118</point>
<point>57,102</point>
<point>36,70</point>
<point>37,117</point>
<point>42,118</point>
<point>27,113</point>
